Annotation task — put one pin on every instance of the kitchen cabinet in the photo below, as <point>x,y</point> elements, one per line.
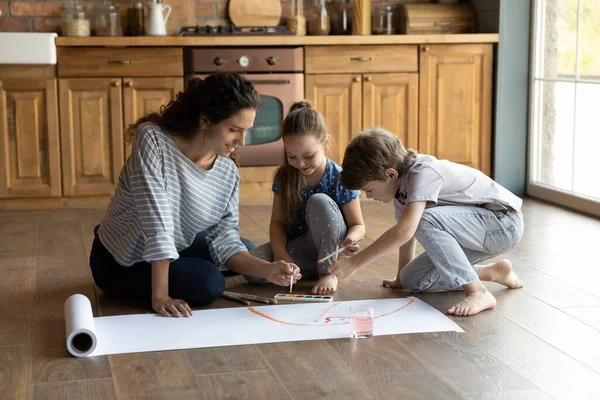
<point>440,105</point>
<point>142,96</point>
<point>94,112</point>
<point>29,137</point>
<point>455,103</point>
<point>369,96</point>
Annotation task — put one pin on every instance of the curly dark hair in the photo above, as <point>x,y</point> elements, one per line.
<point>218,97</point>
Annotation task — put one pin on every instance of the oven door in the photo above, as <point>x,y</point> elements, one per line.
<point>278,92</point>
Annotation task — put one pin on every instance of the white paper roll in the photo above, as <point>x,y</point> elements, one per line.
<point>79,326</point>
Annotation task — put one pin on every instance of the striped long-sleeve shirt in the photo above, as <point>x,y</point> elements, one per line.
<point>163,200</point>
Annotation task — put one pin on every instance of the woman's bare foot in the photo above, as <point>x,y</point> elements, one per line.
<point>478,299</point>
<point>327,284</point>
<point>393,283</point>
<point>500,272</point>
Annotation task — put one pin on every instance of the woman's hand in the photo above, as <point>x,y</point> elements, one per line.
<point>351,245</point>
<point>171,307</point>
<point>281,272</point>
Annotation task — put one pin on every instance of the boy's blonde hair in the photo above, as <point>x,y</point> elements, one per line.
<point>370,154</point>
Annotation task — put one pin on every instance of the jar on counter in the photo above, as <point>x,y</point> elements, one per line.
<point>340,17</point>
<point>75,20</point>
<point>135,19</point>
<point>383,22</point>
<point>319,23</point>
<point>108,20</point>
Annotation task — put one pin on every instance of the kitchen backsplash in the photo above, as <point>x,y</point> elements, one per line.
<point>44,16</point>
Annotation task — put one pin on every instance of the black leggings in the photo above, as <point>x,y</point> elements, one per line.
<point>193,277</point>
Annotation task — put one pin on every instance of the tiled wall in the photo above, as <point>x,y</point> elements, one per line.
<point>44,16</point>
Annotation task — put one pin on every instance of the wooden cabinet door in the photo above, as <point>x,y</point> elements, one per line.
<point>390,101</point>
<point>91,120</point>
<point>29,144</point>
<point>339,99</point>
<point>455,103</point>
<point>142,96</point>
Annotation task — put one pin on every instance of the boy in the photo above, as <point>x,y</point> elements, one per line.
<point>459,215</point>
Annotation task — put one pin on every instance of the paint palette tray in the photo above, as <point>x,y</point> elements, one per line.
<point>313,298</point>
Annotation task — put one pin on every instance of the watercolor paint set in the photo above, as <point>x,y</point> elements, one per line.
<point>303,297</point>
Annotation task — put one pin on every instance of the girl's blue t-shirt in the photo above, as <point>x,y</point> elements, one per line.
<point>330,185</point>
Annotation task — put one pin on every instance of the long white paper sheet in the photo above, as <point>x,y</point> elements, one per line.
<point>88,336</point>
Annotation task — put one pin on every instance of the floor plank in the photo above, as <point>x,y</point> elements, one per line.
<point>460,364</point>
<point>241,385</point>
<point>156,375</point>
<point>537,361</point>
<point>588,315</point>
<point>225,359</point>
<point>554,326</point>
<point>93,389</point>
<point>15,372</point>
<point>312,367</point>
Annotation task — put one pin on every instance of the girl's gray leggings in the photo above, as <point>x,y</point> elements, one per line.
<point>326,231</point>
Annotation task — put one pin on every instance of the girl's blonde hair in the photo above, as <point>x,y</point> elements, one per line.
<point>370,154</point>
<point>301,120</point>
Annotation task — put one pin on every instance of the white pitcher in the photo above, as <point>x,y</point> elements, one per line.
<point>156,20</point>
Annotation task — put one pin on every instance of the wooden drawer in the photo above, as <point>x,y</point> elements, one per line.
<point>359,59</point>
<point>108,62</point>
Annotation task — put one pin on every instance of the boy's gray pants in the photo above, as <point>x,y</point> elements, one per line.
<point>326,231</point>
<point>455,239</point>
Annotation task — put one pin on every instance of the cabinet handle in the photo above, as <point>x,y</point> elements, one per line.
<point>361,58</point>
<point>128,83</point>
<point>426,48</point>
<point>368,78</point>
<point>116,83</point>
<point>356,79</point>
<point>120,62</point>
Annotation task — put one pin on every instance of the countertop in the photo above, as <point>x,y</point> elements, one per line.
<point>234,40</point>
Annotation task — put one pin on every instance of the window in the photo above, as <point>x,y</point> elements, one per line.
<point>565,103</point>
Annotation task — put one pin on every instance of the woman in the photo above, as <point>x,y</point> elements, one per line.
<point>172,224</point>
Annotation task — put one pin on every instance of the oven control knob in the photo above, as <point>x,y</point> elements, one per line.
<point>244,61</point>
<point>218,61</point>
<point>271,60</point>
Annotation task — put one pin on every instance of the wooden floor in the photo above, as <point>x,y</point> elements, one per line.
<point>542,341</point>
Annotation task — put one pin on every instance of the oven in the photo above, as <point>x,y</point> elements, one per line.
<point>278,76</point>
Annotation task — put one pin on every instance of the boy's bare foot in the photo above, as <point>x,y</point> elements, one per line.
<point>474,303</point>
<point>327,284</point>
<point>500,272</point>
<point>393,283</point>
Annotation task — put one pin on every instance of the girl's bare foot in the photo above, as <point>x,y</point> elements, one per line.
<point>327,284</point>
<point>477,300</point>
<point>500,272</point>
<point>393,283</point>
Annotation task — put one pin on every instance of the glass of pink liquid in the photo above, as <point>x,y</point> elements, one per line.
<point>361,321</point>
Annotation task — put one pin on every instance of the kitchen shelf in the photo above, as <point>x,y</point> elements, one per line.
<point>232,40</point>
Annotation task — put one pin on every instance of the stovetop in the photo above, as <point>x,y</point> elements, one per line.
<point>221,30</point>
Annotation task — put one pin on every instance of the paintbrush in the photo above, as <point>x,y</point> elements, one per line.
<point>335,253</point>
<point>236,299</point>
<point>252,297</point>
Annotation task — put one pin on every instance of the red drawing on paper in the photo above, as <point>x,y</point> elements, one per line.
<point>321,320</point>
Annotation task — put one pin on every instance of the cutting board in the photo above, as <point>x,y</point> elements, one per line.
<point>255,12</point>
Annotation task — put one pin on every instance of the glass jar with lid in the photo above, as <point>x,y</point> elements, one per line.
<point>108,20</point>
<point>135,19</point>
<point>340,17</point>
<point>383,20</point>
<point>75,20</point>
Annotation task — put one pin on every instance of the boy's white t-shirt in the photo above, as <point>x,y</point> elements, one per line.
<point>442,183</point>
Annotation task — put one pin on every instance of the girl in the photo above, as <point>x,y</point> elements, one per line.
<point>312,213</point>
<point>460,216</point>
<point>180,181</point>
